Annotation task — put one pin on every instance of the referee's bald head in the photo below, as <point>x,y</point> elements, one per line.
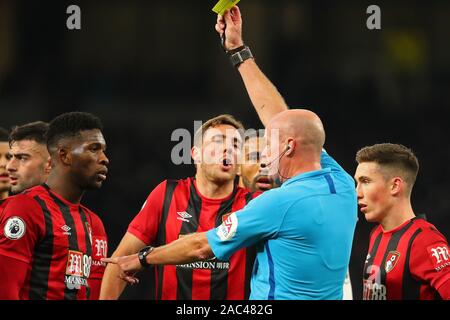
<point>303,125</point>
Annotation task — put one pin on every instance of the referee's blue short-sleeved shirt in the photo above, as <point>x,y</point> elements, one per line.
<point>303,232</point>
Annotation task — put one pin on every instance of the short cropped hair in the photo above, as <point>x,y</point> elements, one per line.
<point>223,119</point>
<point>396,159</point>
<point>4,135</point>
<point>35,131</point>
<point>70,125</point>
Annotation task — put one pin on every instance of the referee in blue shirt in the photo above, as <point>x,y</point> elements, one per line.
<point>304,229</point>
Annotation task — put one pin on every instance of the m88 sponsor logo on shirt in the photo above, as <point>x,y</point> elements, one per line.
<point>373,288</point>
<point>100,246</point>
<point>439,255</point>
<point>374,291</point>
<point>77,270</point>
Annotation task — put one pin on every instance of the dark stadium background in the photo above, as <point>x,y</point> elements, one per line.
<point>147,68</point>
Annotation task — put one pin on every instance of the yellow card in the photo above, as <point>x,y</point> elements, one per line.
<point>223,5</point>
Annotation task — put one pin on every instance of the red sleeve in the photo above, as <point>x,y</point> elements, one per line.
<point>430,261</point>
<point>13,273</point>
<point>99,251</point>
<point>95,286</point>
<point>444,290</point>
<point>145,225</point>
<point>21,226</point>
<point>256,194</point>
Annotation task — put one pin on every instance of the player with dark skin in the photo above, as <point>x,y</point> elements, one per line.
<point>78,163</point>
<point>251,175</point>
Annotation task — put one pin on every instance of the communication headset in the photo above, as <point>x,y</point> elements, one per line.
<point>286,149</point>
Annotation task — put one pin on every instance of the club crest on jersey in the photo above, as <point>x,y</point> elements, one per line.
<point>227,229</point>
<point>14,228</point>
<point>391,260</point>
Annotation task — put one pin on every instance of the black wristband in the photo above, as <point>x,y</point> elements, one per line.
<point>233,51</point>
<point>240,56</point>
<point>142,255</point>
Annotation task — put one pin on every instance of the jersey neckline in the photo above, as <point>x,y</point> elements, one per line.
<point>67,202</point>
<point>210,200</point>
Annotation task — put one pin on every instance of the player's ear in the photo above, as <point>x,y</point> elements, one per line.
<point>48,165</point>
<point>196,154</point>
<point>64,156</point>
<point>397,186</point>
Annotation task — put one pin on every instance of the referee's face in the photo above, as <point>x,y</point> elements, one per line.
<point>373,191</point>
<point>272,152</point>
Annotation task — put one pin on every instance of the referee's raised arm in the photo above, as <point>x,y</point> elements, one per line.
<point>264,95</point>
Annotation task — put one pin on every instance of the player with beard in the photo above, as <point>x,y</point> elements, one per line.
<point>177,208</point>
<point>29,166</point>
<point>251,175</point>
<point>29,163</point>
<point>45,233</point>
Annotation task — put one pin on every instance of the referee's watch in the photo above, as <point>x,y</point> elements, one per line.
<point>142,255</point>
<point>239,55</point>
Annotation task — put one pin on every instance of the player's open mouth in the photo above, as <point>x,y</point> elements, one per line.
<point>226,164</point>
<point>13,180</point>
<point>264,183</point>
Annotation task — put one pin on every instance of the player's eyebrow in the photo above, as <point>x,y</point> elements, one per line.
<point>20,154</point>
<point>96,144</point>
<point>219,135</point>
<point>362,178</point>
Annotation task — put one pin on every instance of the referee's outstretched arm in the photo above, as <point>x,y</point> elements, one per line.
<point>194,247</point>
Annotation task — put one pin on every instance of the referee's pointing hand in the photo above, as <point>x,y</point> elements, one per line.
<point>128,266</point>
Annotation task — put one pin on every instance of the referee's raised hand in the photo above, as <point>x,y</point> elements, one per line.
<point>230,25</point>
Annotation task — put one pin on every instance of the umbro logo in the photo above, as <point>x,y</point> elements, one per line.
<point>183,216</point>
<point>66,229</point>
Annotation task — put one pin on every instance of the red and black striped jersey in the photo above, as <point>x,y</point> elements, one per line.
<point>54,238</point>
<point>176,208</point>
<point>410,262</point>
<point>99,251</point>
